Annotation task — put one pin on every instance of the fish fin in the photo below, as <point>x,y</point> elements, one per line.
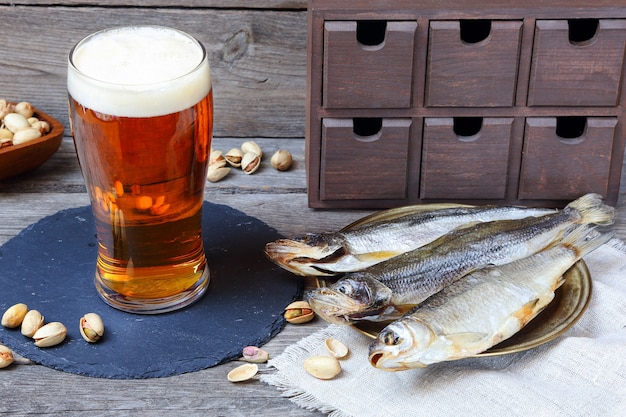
<point>528,311</point>
<point>467,225</point>
<point>377,256</point>
<point>593,210</point>
<point>466,340</point>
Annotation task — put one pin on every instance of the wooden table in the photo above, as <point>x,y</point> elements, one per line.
<point>256,98</point>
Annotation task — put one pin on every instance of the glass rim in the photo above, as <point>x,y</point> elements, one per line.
<point>73,67</point>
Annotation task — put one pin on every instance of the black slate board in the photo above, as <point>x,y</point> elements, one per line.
<point>50,267</point>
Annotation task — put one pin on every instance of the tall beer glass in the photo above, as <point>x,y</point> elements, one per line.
<point>141,112</point>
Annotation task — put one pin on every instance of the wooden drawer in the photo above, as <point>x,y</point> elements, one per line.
<point>472,63</point>
<point>564,158</point>
<point>368,64</point>
<point>577,62</point>
<point>364,158</point>
<point>465,158</point>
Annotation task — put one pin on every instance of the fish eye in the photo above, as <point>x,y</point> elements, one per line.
<point>390,338</point>
<point>344,288</point>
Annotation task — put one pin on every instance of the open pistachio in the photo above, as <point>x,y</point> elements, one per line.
<point>255,355</point>
<point>91,327</point>
<point>233,157</point>
<point>250,162</point>
<point>14,315</point>
<point>299,312</point>
<point>282,160</point>
<point>322,367</point>
<point>50,335</point>
<point>251,146</point>
<point>243,372</point>
<point>33,321</point>
<point>216,156</point>
<point>6,356</point>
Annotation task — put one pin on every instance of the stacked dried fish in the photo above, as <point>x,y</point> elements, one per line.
<point>431,291</point>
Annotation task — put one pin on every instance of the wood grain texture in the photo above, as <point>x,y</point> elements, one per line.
<point>258,59</point>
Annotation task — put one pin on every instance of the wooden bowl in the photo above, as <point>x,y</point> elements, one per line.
<point>18,159</point>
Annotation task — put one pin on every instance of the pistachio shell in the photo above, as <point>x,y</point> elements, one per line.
<point>251,146</point>
<point>33,321</point>
<point>216,156</point>
<point>6,356</point>
<point>217,171</point>
<point>91,327</point>
<point>322,367</point>
<point>282,160</point>
<point>243,372</point>
<point>250,162</point>
<point>25,109</point>
<point>50,335</point>
<point>233,157</point>
<point>15,122</point>
<point>336,348</point>
<point>26,135</point>
<point>14,315</point>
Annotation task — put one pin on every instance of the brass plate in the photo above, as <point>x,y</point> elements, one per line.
<point>570,301</point>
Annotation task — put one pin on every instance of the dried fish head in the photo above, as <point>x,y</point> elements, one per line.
<point>401,345</point>
<point>350,298</point>
<point>307,254</point>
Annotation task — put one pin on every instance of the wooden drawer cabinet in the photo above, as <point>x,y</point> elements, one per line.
<point>464,101</point>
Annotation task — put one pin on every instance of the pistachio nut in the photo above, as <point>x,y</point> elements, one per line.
<point>282,160</point>
<point>233,157</point>
<point>15,122</point>
<point>26,135</point>
<point>6,356</point>
<point>251,146</point>
<point>322,367</point>
<point>25,109</point>
<point>32,322</point>
<point>299,312</point>
<point>243,372</point>
<point>91,327</point>
<point>14,315</point>
<point>50,335</point>
<point>5,133</point>
<point>336,348</point>
<point>250,162</point>
<point>255,355</point>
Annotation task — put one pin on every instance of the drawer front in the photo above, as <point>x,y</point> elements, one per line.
<point>473,63</point>
<point>557,167</point>
<point>465,165</point>
<point>358,75</point>
<point>364,165</point>
<point>585,72</point>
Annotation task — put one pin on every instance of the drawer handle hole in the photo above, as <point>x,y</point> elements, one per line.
<point>467,128</point>
<point>474,31</point>
<point>570,129</point>
<point>582,31</point>
<point>367,128</point>
<point>371,33</point>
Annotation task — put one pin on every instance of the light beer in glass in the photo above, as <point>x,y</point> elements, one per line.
<point>141,112</point>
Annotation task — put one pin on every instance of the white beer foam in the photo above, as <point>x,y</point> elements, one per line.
<point>138,72</point>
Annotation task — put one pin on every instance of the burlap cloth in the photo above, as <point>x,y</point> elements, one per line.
<point>581,373</point>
